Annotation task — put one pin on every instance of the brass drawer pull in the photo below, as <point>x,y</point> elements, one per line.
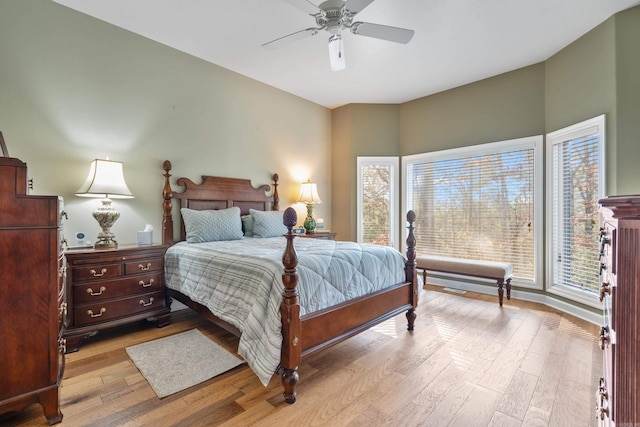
<point>144,268</point>
<point>96,274</point>
<point>63,310</point>
<point>145,285</point>
<point>102,311</point>
<point>142,303</point>
<point>90,291</point>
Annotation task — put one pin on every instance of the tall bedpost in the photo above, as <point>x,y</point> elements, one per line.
<point>290,313</point>
<point>276,199</point>
<point>167,195</point>
<point>410,269</point>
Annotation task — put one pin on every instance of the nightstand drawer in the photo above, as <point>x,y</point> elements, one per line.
<point>142,266</point>
<point>87,314</point>
<point>96,272</point>
<point>109,289</point>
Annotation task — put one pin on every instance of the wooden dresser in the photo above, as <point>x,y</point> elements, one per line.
<point>32,295</point>
<point>618,394</point>
<point>111,287</point>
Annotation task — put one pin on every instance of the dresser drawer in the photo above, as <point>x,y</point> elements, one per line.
<point>142,266</point>
<point>87,314</point>
<point>109,289</point>
<point>96,272</point>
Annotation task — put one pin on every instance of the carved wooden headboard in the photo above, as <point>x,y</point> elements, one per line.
<point>213,193</point>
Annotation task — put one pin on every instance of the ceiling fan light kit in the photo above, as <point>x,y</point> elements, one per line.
<point>334,16</point>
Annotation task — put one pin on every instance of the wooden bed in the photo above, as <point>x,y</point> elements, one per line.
<point>302,335</point>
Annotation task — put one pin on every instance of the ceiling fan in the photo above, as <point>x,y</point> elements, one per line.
<point>334,16</point>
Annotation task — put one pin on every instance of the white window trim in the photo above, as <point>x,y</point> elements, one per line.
<point>534,142</point>
<point>585,128</point>
<point>394,162</point>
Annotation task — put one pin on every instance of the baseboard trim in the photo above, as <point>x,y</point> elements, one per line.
<point>545,299</point>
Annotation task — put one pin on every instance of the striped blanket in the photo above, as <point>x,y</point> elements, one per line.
<point>240,282</point>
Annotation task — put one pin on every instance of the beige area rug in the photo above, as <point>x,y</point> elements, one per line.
<point>180,361</point>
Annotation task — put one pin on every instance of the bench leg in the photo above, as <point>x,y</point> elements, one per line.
<point>501,291</point>
<point>509,288</point>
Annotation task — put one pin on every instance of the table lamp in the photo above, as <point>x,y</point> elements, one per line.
<point>105,180</point>
<point>309,196</point>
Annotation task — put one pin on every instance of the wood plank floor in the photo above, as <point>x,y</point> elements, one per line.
<point>468,363</point>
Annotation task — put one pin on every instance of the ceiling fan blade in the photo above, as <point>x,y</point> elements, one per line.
<point>384,32</point>
<point>298,35</point>
<point>306,6</point>
<point>355,6</point>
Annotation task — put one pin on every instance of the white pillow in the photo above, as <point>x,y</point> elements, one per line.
<point>211,226</point>
<point>267,223</point>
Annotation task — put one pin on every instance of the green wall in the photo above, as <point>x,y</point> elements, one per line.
<point>507,106</point>
<point>627,51</point>
<point>358,130</point>
<point>597,74</point>
<point>581,84</point>
<point>74,88</point>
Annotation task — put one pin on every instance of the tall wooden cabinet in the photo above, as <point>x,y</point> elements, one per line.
<point>32,298</point>
<point>618,394</point>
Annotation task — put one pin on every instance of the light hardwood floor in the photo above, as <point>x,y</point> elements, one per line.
<point>468,363</point>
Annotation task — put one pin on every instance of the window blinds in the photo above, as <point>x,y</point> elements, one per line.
<point>376,204</point>
<point>575,211</point>
<point>478,207</point>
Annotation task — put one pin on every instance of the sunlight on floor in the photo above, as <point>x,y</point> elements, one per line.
<point>387,328</point>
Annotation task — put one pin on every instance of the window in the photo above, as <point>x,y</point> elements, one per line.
<point>378,200</point>
<point>575,178</point>
<point>480,203</point>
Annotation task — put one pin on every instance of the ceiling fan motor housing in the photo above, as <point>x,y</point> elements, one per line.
<point>334,17</point>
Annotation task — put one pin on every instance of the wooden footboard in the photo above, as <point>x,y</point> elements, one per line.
<point>316,331</point>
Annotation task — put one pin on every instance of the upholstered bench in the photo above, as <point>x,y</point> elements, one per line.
<point>499,271</point>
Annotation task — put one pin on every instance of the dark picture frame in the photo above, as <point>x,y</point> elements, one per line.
<point>3,147</point>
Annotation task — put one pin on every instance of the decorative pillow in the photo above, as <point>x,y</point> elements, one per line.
<point>210,226</point>
<point>247,225</point>
<point>267,223</point>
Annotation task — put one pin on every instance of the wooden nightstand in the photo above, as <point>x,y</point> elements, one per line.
<point>111,287</point>
<point>320,235</point>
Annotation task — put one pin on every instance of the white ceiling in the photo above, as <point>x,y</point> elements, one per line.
<point>456,41</point>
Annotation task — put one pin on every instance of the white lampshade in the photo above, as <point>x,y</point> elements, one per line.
<point>336,53</point>
<point>309,193</point>
<point>105,180</point>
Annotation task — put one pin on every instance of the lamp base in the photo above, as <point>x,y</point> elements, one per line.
<point>106,215</point>
<point>309,222</point>
<point>105,243</point>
